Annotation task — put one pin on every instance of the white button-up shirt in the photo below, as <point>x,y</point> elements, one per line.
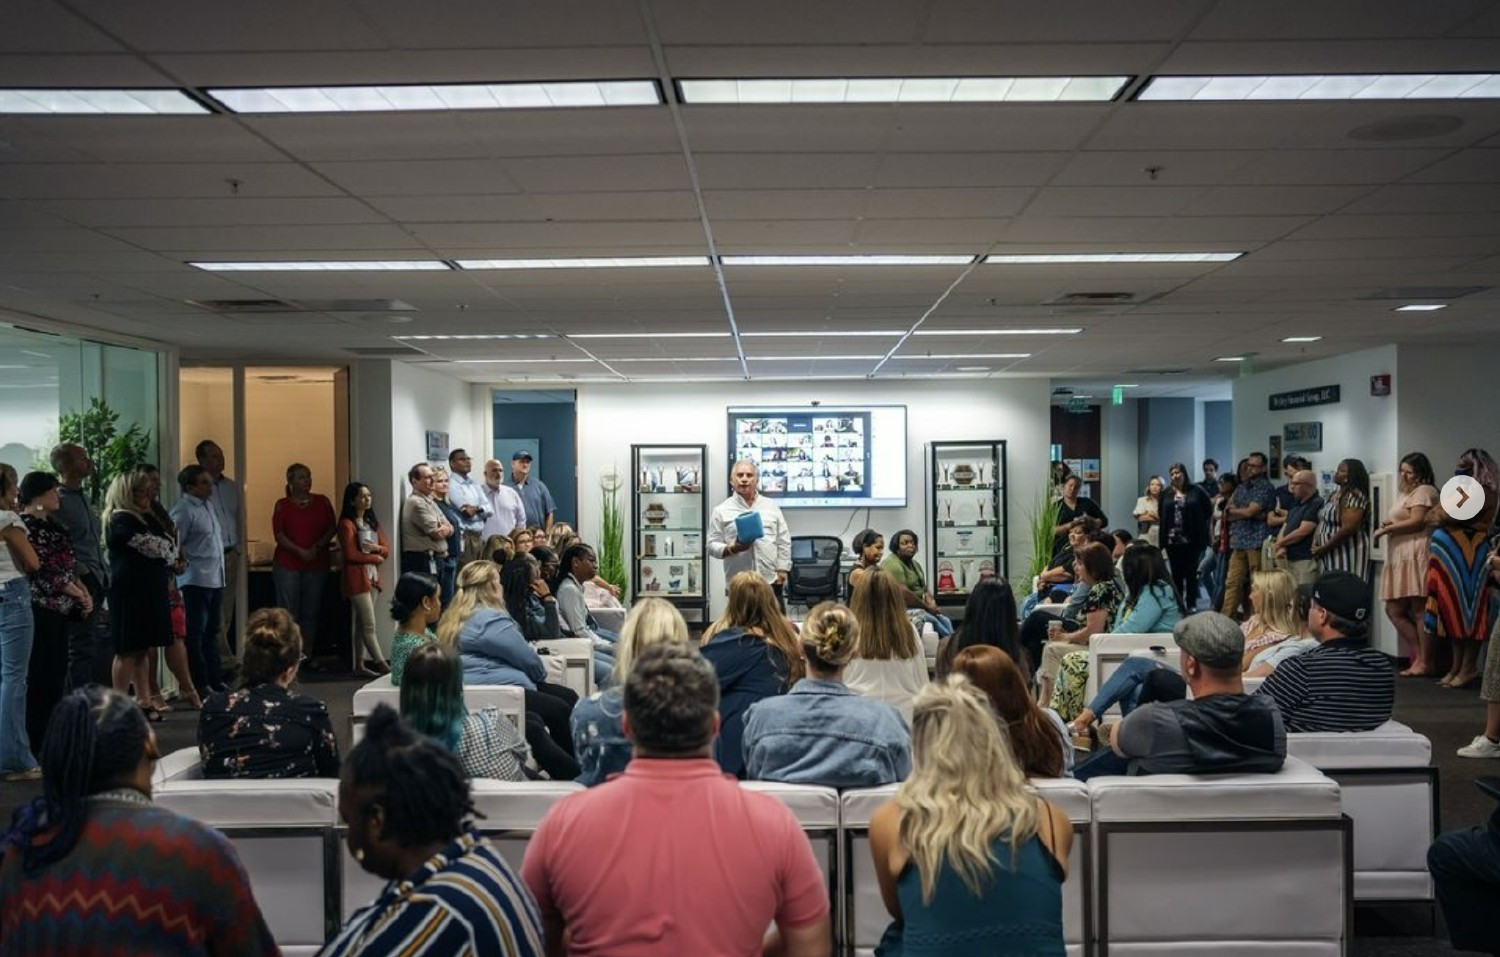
<point>507,511</point>
<point>463,490</point>
<point>772,552</point>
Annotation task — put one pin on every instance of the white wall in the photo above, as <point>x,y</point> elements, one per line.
<point>1358,426</point>
<point>1448,397</point>
<point>613,417</point>
<point>1120,465</point>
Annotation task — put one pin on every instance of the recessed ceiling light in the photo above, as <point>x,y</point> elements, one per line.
<point>1127,385</point>
<point>615,262</point>
<point>489,335</point>
<point>1422,307</point>
<point>911,89</point>
<point>1331,86</point>
<point>871,260</point>
<point>973,368</point>
<point>1075,396</point>
<point>309,265</point>
<point>647,335</point>
<point>997,332</point>
<point>1230,359</point>
<point>1024,259</point>
<point>810,334</point>
<point>96,102</point>
<point>1302,338</point>
<point>458,96</point>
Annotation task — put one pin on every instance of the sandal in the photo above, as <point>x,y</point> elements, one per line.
<point>153,714</point>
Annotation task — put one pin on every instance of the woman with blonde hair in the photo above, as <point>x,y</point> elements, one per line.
<point>821,732</point>
<point>888,664</point>
<point>755,653</point>
<point>598,737</point>
<point>494,652</point>
<point>969,861</point>
<point>1273,603</point>
<point>142,559</point>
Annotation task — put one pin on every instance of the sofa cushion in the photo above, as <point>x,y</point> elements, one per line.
<point>1392,745</point>
<point>815,807</point>
<point>254,803</point>
<point>1298,790</point>
<point>1070,795</point>
<point>517,805</point>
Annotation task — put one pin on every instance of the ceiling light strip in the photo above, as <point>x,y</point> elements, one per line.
<point>341,265</point>
<point>899,89</point>
<point>114,102</point>
<point>1322,87</point>
<point>405,98</point>
<point>605,262</point>
<point>998,332</point>
<point>869,260</point>
<point>647,335</point>
<point>1032,259</point>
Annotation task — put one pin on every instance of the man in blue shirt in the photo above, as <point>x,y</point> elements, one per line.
<point>1246,514</point>
<point>200,540</point>
<point>534,493</point>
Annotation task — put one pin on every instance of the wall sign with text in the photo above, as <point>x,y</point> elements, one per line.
<point>1302,398</point>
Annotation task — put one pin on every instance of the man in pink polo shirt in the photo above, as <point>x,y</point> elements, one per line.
<point>672,856</point>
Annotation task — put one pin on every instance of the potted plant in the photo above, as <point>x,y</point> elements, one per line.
<point>612,532</point>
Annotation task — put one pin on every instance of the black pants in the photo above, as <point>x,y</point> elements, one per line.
<point>1465,868</point>
<point>46,672</point>
<point>89,650</point>
<point>1184,561</point>
<point>548,731</point>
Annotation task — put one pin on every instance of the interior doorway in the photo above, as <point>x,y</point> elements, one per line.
<point>545,423</point>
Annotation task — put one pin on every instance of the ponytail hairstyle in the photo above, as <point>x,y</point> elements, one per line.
<point>829,637</point>
<point>273,643</point>
<point>410,589</point>
<point>432,694</point>
<point>96,738</point>
<point>420,784</point>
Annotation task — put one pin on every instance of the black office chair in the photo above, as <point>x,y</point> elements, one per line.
<point>815,570</point>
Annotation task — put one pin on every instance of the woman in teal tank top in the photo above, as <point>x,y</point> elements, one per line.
<point>970,863</point>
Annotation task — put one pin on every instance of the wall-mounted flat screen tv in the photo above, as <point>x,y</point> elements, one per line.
<point>824,456</point>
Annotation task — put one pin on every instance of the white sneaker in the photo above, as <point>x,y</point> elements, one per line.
<point>1480,747</point>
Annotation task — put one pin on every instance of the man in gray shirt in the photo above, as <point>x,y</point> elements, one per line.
<point>1221,730</point>
<point>78,515</point>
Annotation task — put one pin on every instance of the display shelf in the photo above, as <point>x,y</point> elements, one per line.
<point>966,516</point>
<point>669,558</point>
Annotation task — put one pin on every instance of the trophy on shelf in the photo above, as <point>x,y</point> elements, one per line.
<point>980,469</point>
<point>692,575</point>
<point>981,514</point>
<point>648,546</point>
<point>945,477</point>
<point>948,513</point>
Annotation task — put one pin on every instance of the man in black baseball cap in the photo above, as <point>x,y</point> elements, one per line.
<point>1343,684</point>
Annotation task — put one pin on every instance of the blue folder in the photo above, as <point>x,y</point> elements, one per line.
<point>748,527</point>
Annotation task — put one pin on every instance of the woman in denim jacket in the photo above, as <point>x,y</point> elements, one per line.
<point>822,732</point>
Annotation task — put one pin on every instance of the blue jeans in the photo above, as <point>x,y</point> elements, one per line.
<point>1135,682</point>
<point>1103,764</point>
<point>301,593</point>
<point>604,666</point>
<point>942,624</point>
<point>203,607</point>
<point>15,652</point>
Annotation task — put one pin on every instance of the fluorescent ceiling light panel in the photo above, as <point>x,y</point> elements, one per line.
<point>1025,259</point>
<point>846,260</point>
<point>809,334</point>
<point>648,335</point>
<point>457,96</point>
<point>533,362</point>
<point>973,369</point>
<point>489,335</point>
<point>675,359</point>
<point>1421,307</point>
<point>1230,359</point>
<point>1317,86</point>
<point>1302,338</point>
<point>812,358</point>
<point>911,89</point>
<point>963,355</point>
<point>99,102</point>
<point>1127,385</point>
<point>340,265</point>
<point>997,332</point>
<point>614,262</point>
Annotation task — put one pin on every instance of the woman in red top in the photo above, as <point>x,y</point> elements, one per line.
<point>303,524</point>
<point>364,548</point>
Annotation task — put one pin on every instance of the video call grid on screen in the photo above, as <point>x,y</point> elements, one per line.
<point>825,457</point>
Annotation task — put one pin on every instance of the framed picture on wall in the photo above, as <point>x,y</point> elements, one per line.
<point>1302,437</point>
<point>1273,453</point>
<point>437,447</point>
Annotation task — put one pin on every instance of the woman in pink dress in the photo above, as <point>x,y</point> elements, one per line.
<point>1403,579</point>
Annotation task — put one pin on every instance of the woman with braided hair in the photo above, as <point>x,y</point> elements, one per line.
<point>93,866</point>
<point>821,732</point>
<point>405,800</point>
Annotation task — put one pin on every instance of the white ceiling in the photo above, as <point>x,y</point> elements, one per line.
<point>98,215</point>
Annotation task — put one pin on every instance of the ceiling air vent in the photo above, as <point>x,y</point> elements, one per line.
<point>1156,372</point>
<point>375,352</point>
<point>1093,299</point>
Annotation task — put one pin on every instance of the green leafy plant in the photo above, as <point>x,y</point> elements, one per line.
<point>1041,519</point>
<point>97,430</point>
<point>612,534</point>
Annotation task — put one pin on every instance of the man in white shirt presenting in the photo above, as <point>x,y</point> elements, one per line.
<point>769,556</point>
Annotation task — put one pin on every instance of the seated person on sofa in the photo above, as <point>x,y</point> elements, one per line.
<point>265,729</point>
<point>1465,866</point>
<point>821,732</point>
<point>1221,730</point>
<point>1055,583</point>
<point>1343,684</point>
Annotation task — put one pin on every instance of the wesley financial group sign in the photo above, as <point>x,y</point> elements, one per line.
<point>1302,398</point>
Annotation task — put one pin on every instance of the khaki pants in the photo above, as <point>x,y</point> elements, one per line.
<point>1303,571</point>
<point>1052,656</point>
<point>227,657</point>
<point>1243,562</point>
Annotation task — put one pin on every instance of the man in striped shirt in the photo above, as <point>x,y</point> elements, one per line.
<point>1343,684</point>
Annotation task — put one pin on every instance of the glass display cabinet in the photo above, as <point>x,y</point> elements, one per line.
<point>966,535</point>
<point>669,519</point>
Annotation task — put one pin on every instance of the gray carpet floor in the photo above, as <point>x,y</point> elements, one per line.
<point>1449,718</point>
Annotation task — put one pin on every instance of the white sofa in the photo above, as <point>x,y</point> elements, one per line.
<point>1389,789</point>
<point>865,918</point>
<point>511,701</point>
<point>1240,865</point>
<point>577,663</point>
<point>286,835</point>
<point>1106,652</point>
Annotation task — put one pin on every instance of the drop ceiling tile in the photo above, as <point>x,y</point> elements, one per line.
<point>215,213</point>
<point>450,238</point>
<point>419,177</point>
<point>182,25</point>
<point>1020,22</point>
<point>968,169</point>
<point>1272,200</point>
<point>159,180</point>
<point>185,239</point>
<point>599,174</point>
